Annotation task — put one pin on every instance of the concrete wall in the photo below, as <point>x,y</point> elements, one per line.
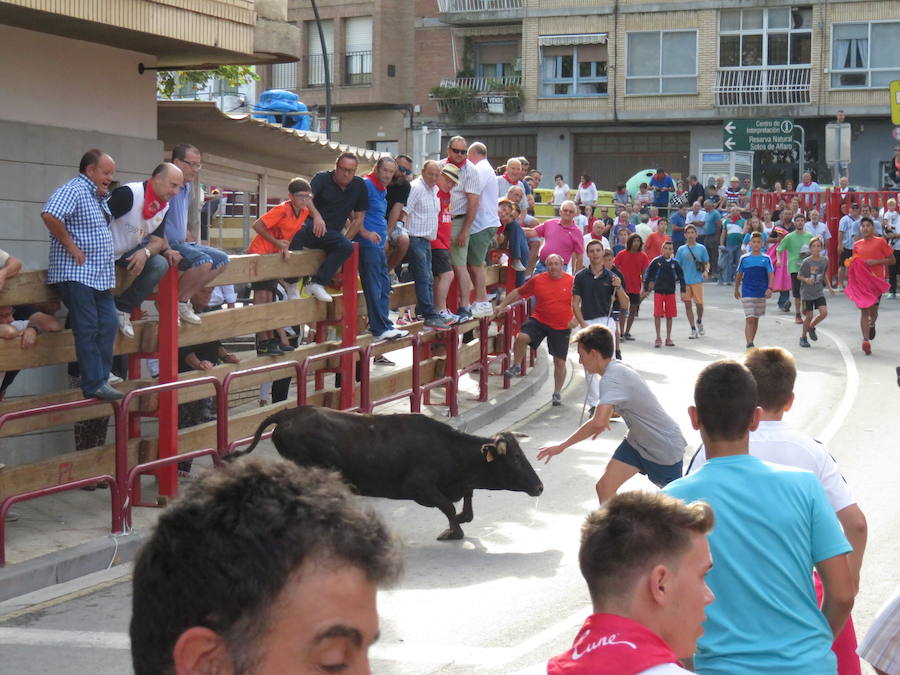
<point>78,85</point>
<point>359,127</point>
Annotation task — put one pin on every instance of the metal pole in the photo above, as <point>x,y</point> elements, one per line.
<point>327,71</point>
<point>802,155</point>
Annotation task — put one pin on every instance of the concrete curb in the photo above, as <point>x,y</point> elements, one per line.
<point>99,554</point>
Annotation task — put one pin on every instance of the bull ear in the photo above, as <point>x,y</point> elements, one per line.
<point>501,445</point>
<point>489,451</point>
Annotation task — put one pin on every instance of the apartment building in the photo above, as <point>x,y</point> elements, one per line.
<point>611,88</point>
<point>368,55</point>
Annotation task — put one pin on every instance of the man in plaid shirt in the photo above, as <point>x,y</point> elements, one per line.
<point>82,267</point>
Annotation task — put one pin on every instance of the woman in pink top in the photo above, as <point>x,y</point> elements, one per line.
<point>561,236</point>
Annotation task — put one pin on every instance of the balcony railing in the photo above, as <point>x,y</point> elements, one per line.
<point>357,68</point>
<point>464,96</point>
<point>461,12</point>
<point>315,70</point>
<point>770,86</point>
<point>453,6</point>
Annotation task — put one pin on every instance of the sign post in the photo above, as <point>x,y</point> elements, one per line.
<point>752,135</point>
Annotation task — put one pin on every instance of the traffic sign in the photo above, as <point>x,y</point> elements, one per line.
<point>770,134</point>
<point>895,101</point>
<point>896,133</point>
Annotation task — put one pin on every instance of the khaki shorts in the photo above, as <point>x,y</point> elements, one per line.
<point>694,292</point>
<point>458,256</point>
<point>754,307</point>
<point>479,243</point>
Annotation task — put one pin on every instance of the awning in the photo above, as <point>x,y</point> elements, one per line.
<point>242,148</point>
<point>575,39</point>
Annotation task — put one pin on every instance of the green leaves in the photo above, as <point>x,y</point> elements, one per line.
<point>168,82</point>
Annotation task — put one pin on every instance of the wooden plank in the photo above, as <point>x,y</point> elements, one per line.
<point>63,468</point>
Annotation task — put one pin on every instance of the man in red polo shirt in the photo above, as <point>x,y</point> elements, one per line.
<point>551,319</point>
<point>644,556</point>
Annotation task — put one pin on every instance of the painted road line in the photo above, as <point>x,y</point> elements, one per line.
<point>36,637</point>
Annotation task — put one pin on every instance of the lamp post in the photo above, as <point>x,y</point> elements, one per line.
<point>326,69</point>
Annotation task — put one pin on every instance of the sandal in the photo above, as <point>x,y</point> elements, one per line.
<point>669,343</point>
<point>658,343</point>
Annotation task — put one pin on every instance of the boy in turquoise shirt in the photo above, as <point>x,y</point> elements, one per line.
<point>773,524</point>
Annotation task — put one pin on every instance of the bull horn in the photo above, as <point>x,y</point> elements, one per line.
<point>488,450</point>
<point>501,446</point>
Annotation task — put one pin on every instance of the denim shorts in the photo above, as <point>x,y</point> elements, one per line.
<point>659,474</point>
<point>194,255</point>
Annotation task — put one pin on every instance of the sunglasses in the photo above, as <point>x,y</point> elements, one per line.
<point>458,151</point>
<point>405,171</point>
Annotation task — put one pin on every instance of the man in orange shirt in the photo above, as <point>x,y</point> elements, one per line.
<point>274,232</point>
<point>875,253</point>
<point>551,319</point>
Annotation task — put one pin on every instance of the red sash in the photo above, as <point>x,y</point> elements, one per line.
<point>152,203</point>
<point>612,645</point>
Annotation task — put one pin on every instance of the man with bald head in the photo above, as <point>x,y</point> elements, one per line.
<point>139,235</point>
<point>81,267</point>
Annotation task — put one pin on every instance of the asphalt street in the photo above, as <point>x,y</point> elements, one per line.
<point>510,595</point>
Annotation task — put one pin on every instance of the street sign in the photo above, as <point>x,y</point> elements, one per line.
<point>896,133</point>
<point>777,134</point>
<point>895,101</point>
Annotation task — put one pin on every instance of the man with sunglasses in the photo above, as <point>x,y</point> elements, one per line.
<point>464,199</point>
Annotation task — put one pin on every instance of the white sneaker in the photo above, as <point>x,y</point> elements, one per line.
<point>125,325</point>
<point>700,330</point>
<point>480,309</point>
<point>318,292</point>
<point>693,335</point>
<point>449,317</point>
<point>518,266</point>
<point>293,291</point>
<point>393,334</point>
<point>114,379</point>
<point>187,314</point>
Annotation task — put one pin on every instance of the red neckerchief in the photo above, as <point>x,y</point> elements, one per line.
<point>807,184</point>
<point>459,164</point>
<point>152,203</point>
<point>587,185</point>
<point>511,182</point>
<point>660,176</point>
<point>608,644</point>
<point>372,177</point>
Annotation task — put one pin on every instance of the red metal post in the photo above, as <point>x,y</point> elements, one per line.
<point>349,276</point>
<point>168,372</point>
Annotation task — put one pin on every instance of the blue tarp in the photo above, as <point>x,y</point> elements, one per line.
<point>283,107</point>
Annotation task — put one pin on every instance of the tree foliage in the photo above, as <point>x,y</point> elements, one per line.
<point>170,81</point>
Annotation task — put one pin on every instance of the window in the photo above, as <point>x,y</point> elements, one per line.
<point>854,64</point>
<point>315,61</point>
<point>358,50</point>
<point>494,60</point>
<point>761,38</point>
<point>661,62</point>
<point>284,76</point>
<point>573,65</point>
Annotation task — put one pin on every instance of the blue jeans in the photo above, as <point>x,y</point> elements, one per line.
<point>376,287</point>
<point>729,263</point>
<point>92,314</point>
<point>336,246</point>
<point>144,283</point>
<point>419,259</point>
<point>518,244</point>
<point>194,255</point>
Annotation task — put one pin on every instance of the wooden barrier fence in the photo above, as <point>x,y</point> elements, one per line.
<point>440,358</point>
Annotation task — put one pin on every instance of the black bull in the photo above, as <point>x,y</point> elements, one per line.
<point>403,457</point>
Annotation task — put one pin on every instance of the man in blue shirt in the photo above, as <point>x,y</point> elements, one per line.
<point>773,524</point>
<point>678,220</point>
<point>662,184</point>
<point>712,232</point>
<point>199,264</point>
<point>373,272</point>
<point>694,261</point>
<point>82,267</point>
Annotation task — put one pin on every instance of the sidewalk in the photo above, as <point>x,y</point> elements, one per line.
<point>64,536</point>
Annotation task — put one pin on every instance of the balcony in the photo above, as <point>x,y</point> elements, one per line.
<point>462,97</point>
<point>357,68</point>
<point>465,12</point>
<point>771,86</point>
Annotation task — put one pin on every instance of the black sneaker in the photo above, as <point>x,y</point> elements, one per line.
<point>382,360</point>
<point>591,410</point>
<point>872,332</point>
<point>804,342</point>
<point>286,349</point>
<point>812,334</point>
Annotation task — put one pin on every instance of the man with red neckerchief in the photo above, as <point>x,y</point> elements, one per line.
<point>644,556</point>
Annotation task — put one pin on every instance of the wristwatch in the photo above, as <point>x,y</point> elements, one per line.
<point>147,251</point>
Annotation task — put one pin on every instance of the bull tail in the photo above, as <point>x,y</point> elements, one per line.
<point>275,418</point>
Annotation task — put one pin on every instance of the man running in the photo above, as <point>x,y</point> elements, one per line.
<point>653,445</point>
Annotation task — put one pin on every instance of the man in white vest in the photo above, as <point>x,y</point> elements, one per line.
<point>138,236</point>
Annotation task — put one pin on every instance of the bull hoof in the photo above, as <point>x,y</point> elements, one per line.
<point>450,535</point>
